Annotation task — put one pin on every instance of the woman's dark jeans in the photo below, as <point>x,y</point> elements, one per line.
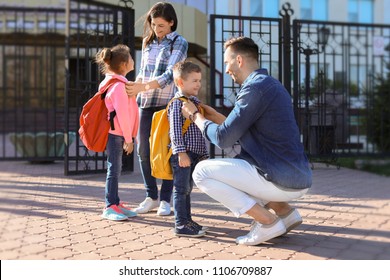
<point>143,150</point>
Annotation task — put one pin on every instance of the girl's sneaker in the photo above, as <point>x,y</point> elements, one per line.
<point>126,210</point>
<point>113,213</point>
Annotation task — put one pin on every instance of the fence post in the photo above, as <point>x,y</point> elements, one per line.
<point>286,12</point>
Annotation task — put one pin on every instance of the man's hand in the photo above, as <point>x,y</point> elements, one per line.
<point>211,114</point>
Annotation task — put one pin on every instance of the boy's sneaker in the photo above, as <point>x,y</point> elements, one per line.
<point>188,231</point>
<point>147,205</point>
<point>113,213</point>
<point>126,210</point>
<point>198,226</point>
<point>260,233</point>
<point>164,209</point>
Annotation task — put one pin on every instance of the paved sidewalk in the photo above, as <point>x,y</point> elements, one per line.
<point>46,215</point>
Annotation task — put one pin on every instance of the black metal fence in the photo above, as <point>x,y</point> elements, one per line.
<point>331,70</point>
<point>47,74</point>
<point>336,70</point>
<point>91,27</point>
<point>31,84</point>
<point>266,32</point>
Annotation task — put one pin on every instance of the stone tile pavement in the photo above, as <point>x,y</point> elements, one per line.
<point>45,215</point>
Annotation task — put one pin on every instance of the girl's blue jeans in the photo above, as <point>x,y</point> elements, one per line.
<point>114,152</point>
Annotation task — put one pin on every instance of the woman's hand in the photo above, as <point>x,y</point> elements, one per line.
<point>133,88</point>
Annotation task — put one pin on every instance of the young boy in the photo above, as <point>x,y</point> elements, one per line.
<point>187,149</point>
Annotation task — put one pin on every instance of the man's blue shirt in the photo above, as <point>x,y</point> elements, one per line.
<point>263,122</point>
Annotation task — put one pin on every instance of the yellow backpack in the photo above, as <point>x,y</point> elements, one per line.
<point>159,141</point>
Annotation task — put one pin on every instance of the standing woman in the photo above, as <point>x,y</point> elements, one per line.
<point>162,48</point>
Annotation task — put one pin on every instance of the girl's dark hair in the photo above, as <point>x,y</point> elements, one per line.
<point>163,10</point>
<point>110,59</point>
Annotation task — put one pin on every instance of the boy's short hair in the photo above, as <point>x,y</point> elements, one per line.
<point>182,69</point>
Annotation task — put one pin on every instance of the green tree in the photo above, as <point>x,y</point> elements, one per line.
<point>379,112</point>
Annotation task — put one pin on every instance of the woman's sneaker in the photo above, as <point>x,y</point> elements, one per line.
<point>126,210</point>
<point>147,205</point>
<point>188,231</point>
<point>113,213</point>
<point>164,209</point>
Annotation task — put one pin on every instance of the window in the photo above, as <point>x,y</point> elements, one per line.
<point>223,7</point>
<point>386,14</point>
<point>358,77</point>
<point>314,9</point>
<point>260,8</point>
<point>264,8</point>
<point>360,11</point>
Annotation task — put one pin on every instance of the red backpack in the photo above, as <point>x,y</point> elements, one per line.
<point>94,125</point>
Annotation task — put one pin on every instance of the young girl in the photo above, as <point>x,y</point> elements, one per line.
<point>115,63</point>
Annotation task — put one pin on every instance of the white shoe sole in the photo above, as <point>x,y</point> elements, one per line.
<point>278,232</point>
<point>144,210</point>
<point>163,213</point>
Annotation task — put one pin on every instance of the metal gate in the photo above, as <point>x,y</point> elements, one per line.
<point>40,102</point>
<point>31,84</point>
<point>91,26</point>
<point>337,66</point>
<point>266,32</point>
<point>333,79</point>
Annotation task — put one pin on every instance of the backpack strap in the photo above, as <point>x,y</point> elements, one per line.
<point>187,122</point>
<point>173,41</point>
<point>103,95</point>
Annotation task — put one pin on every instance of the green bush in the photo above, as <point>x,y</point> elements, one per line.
<point>379,114</point>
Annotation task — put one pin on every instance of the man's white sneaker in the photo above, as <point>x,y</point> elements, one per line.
<point>147,205</point>
<point>291,220</point>
<point>164,209</point>
<point>260,233</point>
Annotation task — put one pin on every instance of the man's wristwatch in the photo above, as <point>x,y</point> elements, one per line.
<point>147,86</point>
<point>192,115</point>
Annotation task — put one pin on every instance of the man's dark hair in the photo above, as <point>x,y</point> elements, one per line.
<point>244,46</point>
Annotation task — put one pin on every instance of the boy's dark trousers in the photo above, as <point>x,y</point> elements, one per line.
<point>182,187</point>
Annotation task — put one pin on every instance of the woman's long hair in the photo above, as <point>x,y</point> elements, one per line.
<point>163,10</point>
